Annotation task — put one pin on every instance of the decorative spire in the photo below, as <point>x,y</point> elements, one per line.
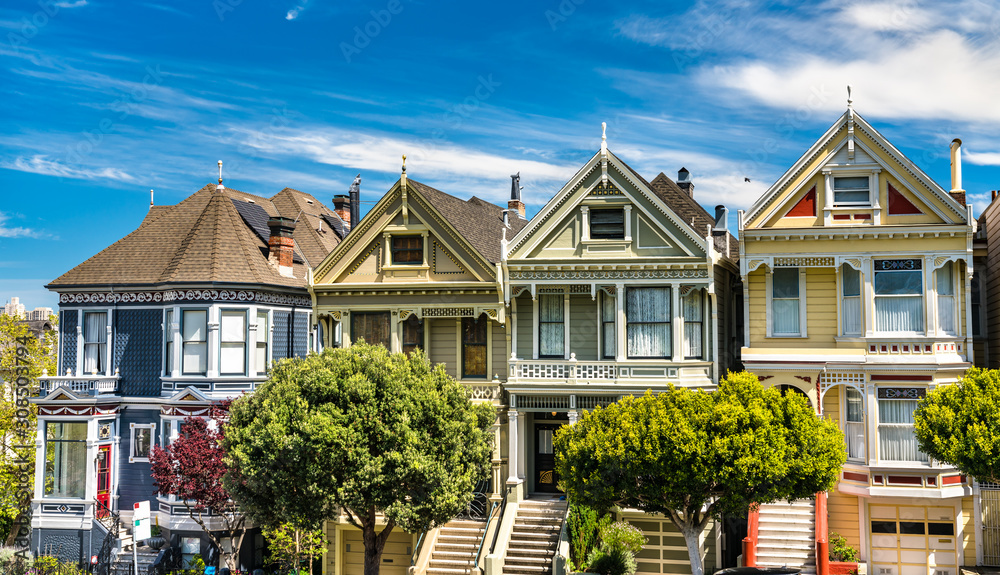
<point>850,102</point>
<point>220,186</point>
<point>604,137</point>
<point>404,163</point>
<point>402,179</point>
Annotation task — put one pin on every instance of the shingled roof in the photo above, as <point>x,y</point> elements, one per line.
<point>688,209</point>
<point>477,220</point>
<point>203,239</point>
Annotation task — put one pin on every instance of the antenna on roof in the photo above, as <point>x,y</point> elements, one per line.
<point>220,186</point>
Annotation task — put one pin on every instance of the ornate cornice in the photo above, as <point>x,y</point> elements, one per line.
<point>168,296</point>
<point>606,274</point>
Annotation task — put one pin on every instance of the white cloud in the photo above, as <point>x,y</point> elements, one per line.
<point>8,231</point>
<point>40,164</point>
<point>981,158</point>
<point>294,12</point>
<point>75,4</point>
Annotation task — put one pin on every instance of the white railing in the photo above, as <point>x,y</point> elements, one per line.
<point>574,371</point>
<point>97,384</point>
<point>916,346</point>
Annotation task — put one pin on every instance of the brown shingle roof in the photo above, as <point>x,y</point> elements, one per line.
<point>311,242</point>
<point>688,209</point>
<point>478,221</point>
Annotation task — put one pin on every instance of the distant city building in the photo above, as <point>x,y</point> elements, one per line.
<point>16,309</point>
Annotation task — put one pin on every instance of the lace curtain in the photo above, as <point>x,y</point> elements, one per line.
<point>95,338</point>
<point>854,432</point>
<point>648,313</point>
<point>693,304</point>
<point>899,301</point>
<point>850,307</point>
<point>785,301</point>
<point>946,298</point>
<point>897,441</point>
<point>551,327</point>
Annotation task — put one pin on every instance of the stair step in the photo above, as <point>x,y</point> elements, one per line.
<point>447,571</point>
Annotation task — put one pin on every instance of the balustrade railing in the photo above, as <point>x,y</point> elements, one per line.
<point>573,370</point>
<point>93,384</point>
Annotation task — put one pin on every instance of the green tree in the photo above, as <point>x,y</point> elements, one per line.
<point>22,355</point>
<point>692,455</point>
<point>960,424</point>
<point>290,546</point>
<point>362,431</point>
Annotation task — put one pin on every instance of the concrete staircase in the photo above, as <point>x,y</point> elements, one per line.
<point>535,539</point>
<point>455,550</point>
<point>787,535</point>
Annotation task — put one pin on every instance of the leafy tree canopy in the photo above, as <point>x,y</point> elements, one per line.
<point>960,424</point>
<point>692,454</point>
<point>363,431</point>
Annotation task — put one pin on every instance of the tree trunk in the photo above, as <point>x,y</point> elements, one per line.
<point>374,544</point>
<point>694,548</point>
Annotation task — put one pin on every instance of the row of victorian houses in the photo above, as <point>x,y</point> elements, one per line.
<point>851,282</point>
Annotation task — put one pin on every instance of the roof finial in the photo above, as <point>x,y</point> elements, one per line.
<point>151,198</point>
<point>220,186</point>
<point>604,136</point>
<point>404,163</point>
<point>849,100</point>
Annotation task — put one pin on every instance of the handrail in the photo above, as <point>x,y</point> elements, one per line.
<point>503,506</point>
<point>416,549</point>
<point>486,529</point>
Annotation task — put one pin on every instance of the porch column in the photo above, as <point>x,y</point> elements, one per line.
<point>676,323</point>
<point>512,451</point>
<point>212,369</point>
<point>175,336</point>
<point>573,415</point>
<point>620,335</point>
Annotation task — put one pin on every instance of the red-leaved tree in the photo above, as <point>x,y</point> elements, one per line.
<point>191,468</point>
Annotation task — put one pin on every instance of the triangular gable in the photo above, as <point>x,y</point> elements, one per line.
<point>899,205</point>
<point>805,207</point>
<point>621,179</point>
<point>188,394</point>
<point>61,393</point>
<point>358,243</point>
<point>821,154</point>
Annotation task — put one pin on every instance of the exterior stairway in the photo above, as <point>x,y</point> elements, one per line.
<point>787,535</point>
<point>455,550</point>
<point>535,539</point>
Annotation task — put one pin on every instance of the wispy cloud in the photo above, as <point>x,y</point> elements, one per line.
<point>299,8</point>
<point>74,4</point>
<point>40,164</point>
<point>8,230</point>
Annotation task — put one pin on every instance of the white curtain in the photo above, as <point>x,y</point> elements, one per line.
<point>946,298</point>
<point>785,301</point>
<point>895,313</point>
<point>552,332</point>
<point>260,360</point>
<point>648,314</point>
<point>692,305</point>
<point>897,441</point>
<point>95,337</point>
<point>850,307</point>
<point>194,332</point>
<point>854,433</point>
<point>234,330</point>
<point>608,311</point>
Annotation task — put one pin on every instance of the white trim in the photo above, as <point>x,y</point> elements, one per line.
<point>769,306</point>
<point>566,318</point>
<point>131,447</point>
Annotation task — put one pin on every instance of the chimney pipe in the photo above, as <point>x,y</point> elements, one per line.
<point>721,217</point>
<point>281,245</point>
<point>355,194</point>
<point>684,181</point>
<point>957,191</point>
<point>343,206</point>
<point>514,203</point>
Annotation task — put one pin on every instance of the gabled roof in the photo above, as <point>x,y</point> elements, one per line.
<point>204,239</point>
<point>766,203</point>
<point>688,209</point>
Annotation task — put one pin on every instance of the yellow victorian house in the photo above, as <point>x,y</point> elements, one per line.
<point>856,268</point>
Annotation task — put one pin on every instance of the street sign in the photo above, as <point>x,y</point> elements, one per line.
<point>140,510</point>
<point>140,521</point>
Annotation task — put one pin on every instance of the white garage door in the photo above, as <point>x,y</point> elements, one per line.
<point>913,540</point>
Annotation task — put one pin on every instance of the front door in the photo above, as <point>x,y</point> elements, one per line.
<point>545,460</point>
<point>103,481</point>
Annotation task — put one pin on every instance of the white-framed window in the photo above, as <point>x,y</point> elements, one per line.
<point>66,467</point>
<point>609,311</point>
<point>647,328</point>
<point>787,303</point>
<point>850,302</point>
<point>693,306</point>
<point>263,336</point>
<point>854,423</point>
<point>168,340</point>
<point>551,325</point>
<point>851,190</point>
<point>897,440</point>
<point>95,342</point>
<point>947,321</point>
<point>233,342</point>
<point>607,224</point>
<point>194,332</point>
<point>899,295</point>
<point>142,435</point>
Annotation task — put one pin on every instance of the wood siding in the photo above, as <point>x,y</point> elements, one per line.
<point>443,343</point>
<point>583,327</point>
<point>842,514</point>
<point>500,355</point>
<point>525,330</point>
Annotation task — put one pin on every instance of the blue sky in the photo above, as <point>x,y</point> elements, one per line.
<point>103,101</point>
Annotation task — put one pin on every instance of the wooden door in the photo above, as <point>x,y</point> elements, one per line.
<point>546,477</point>
<point>103,480</point>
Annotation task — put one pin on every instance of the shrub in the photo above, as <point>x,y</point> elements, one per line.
<point>618,561</point>
<point>622,535</point>
<point>584,527</point>
<point>840,550</point>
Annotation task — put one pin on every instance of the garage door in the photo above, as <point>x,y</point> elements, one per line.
<point>913,540</point>
<point>665,552</point>
<point>395,558</point>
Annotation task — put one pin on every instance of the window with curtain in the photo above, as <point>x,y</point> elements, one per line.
<point>647,316</point>
<point>850,191</point>
<point>693,306</point>
<point>609,343</point>
<point>233,356</point>
<point>407,250</point>
<point>899,296</point>
<point>946,298</point>
<point>373,327</point>
<point>551,325</point>
<point>168,338</point>
<point>413,334</point>
<point>896,438</point>
<point>142,441</point>
<point>854,432</point>
<point>850,303</point>
<point>474,346</point>
<point>194,333</point>
<point>785,307</point>
<point>95,342</point>
<point>65,459</point>
<point>263,336</point>
<point>607,224</point>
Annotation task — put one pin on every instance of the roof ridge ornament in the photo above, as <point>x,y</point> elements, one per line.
<point>850,125</point>
<point>604,154</point>
<point>220,186</point>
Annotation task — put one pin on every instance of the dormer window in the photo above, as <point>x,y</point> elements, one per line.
<point>407,250</point>
<point>607,224</point>
<point>851,191</point>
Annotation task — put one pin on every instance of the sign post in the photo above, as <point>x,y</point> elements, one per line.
<point>140,530</point>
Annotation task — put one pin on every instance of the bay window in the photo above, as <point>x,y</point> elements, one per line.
<point>65,459</point>
<point>896,437</point>
<point>95,342</point>
<point>413,334</point>
<point>609,309</point>
<point>474,346</point>
<point>551,325</point>
<point>647,312</point>
<point>946,298</point>
<point>194,348</point>
<point>233,353</point>
<point>373,327</point>
<point>693,305</point>
<point>850,303</point>
<point>263,336</point>
<point>785,302</point>
<point>854,427</point>
<point>899,295</point>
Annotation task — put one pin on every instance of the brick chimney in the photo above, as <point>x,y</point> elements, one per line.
<point>684,181</point>
<point>515,204</point>
<point>342,205</point>
<point>281,245</point>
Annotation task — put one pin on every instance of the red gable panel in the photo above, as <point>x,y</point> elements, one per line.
<point>806,207</point>
<point>899,205</point>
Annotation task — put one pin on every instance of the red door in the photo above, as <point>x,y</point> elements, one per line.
<point>103,481</point>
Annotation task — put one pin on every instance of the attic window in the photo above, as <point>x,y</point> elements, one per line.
<point>851,191</point>
<point>607,224</point>
<point>407,250</point>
